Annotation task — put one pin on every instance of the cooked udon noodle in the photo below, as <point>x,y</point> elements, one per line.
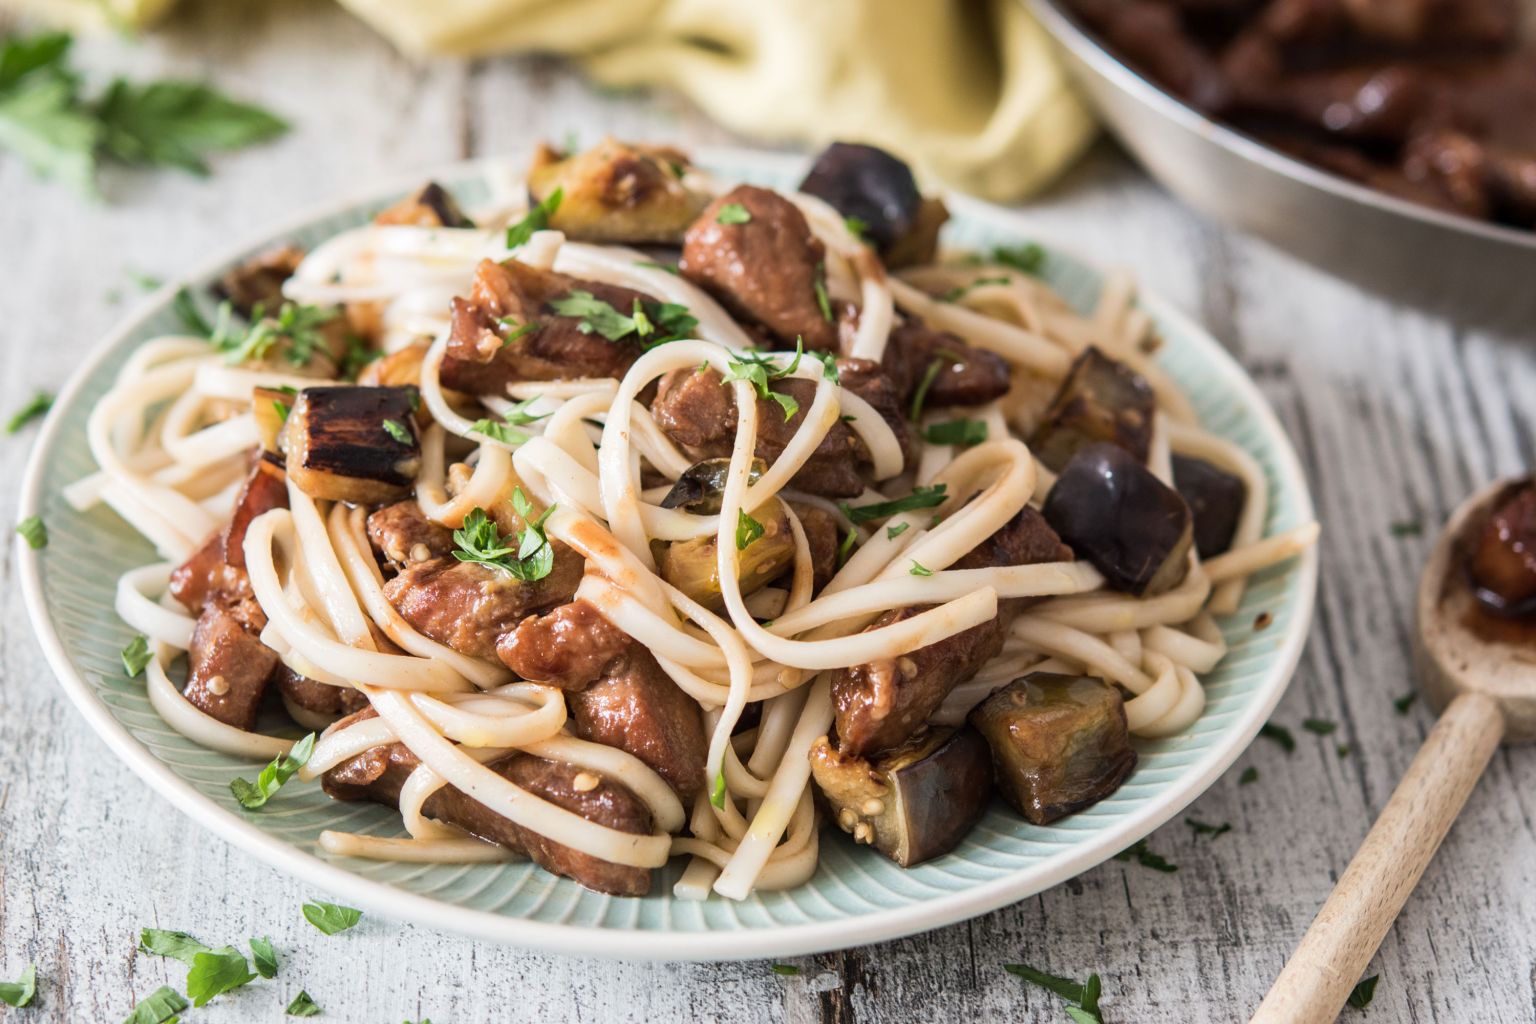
<point>172,440</point>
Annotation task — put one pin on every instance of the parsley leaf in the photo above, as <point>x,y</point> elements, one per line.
<point>964,432</point>
<point>1203,829</point>
<point>215,972</point>
<point>785,970</point>
<point>1280,734</point>
<point>264,957</point>
<point>670,268</point>
<point>819,285</point>
<point>747,529</point>
<point>358,355</point>
<point>176,945</point>
<point>330,917</point>
<point>652,323</point>
<point>1403,703</point>
<point>921,497</point>
<point>42,119</point>
<point>896,530</point>
<point>1362,994</point>
<point>185,308</point>
<point>34,532</point>
<point>930,374</point>
<point>1250,775</point>
<point>300,326</point>
<point>175,124</point>
<point>1146,858</point>
<point>480,541</point>
<point>158,1007</point>
<point>759,371</point>
<point>919,570</point>
<point>302,1006</point>
<point>959,292</point>
<point>537,219</point>
<point>37,405</point>
<point>717,790</point>
<point>136,655</point>
<point>20,992</point>
<point>1319,726</point>
<point>272,777</point>
<point>399,431</point>
<point>733,213</point>
<point>857,227</point>
<point>1027,258</point>
<point>505,429</point>
<point>1085,995</point>
<point>845,549</point>
<point>1407,528</point>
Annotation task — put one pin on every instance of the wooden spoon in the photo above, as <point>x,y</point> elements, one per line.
<point>1479,672</point>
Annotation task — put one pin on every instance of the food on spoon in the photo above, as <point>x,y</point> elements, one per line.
<point>1503,556</point>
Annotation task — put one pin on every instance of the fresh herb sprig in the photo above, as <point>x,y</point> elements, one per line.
<point>20,992</point>
<point>37,406</point>
<point>650,323</point>
<point>331,918</point>
<point>253,797</point>
<point>537,219</point>
<point>481,542</point>
<point>1082,997</point>
<point>921,497</point>
<point>301,326</point>
<point>760,371</point>
<point>958,432</point>
<point>505,429</point>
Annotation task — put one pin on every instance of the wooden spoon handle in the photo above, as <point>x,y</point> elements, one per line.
<point>1343,938</point>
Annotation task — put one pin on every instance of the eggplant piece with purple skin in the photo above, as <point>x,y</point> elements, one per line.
<point>1215,498</point>
<point>1502,560</point>
<point>1101,399</point>
<point>1059,743</point>
<point>353,444</point>
<point>1115,513</point>
<point>875,189</point>
<point>913,802</point>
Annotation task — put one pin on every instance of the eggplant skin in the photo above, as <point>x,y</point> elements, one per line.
<point>1059,743</point>
<point>340,450</point>
<point>1215,498</point>
<point>1101,399</point>
<point>913,802</point>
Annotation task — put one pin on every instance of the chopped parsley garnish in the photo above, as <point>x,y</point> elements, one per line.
<point>1203,829</point>
<point>717,790</point>
<point>786,970</point>
<point>930,374</point>
<point>136,655</point>
<point>964,432</point>
<point>216,971</point>
<point>1361,995</point>
<point>1280,734</point>
<point>516,330</point>
<point>185,308</point>
<point>331,917</point>
<point>1085,996</point>
<point>34,532</point>
<point>857,227</point>
<point>1319,726</point>
<point>37,405</point>
<point>959,292</point>
<point>399,431</point>
<point>819,285</point>
<point>919,569</point>
<point>1146,858</point>
<point>845,549</point>
<point>670,268</point>
<point>300,325</point>
<point>921,497</point>
<point>1403,703</point>
<point>537,219</point>
<point>759,371</point>
<point>302,1006</point>
<point>1028,258</point>
<point>1250,775</point>
<point>273,776</point>
<point>1407,528</point>
<point>733,213</point>
<point>357,356</point>
<point>747,529</point>
<point>480,541</point>
<point>176,945</point>
<point>652,323</point>
<point>829,371</point>
<point>896,530</point>
<point>1344,750</point>
<point>21,991</point>
<point>505,429</point>
<point>158,1007</point>
<point>264,957</point>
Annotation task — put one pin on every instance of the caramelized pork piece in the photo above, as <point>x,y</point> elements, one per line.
<point>404,535</point>
<point>1503,555</point>
<point>1151,38</point>
<point>753,250</point>
<point>912,803</point>
<point>1059,743</point>
<point>568,647</point>
<point>618,192</point>
<point>636,707</point>
<point>823,536</point>
<point>313,695</point>
<point>493,345</point>
<point>259,280</point>
<point>398,369</point>
<point>881,703</point>
<point>378,774</point>
<point>1101,399</point>
<point>697,410</point>
<point>1408,24</point>
<point>469,606</point>
<point>229,668</point>
<point>965,375</point>
<point>354,444</point>
<point>431,206</point>
<point>216,571</point>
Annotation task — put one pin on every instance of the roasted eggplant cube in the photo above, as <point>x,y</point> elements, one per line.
<point>1059,743</point>
<point>354,444</point>
<point>1101,399</point>
<point>618,192</point>
<point>1215,498</point>
<point>700,488</point>
<point>1503,554</point>
<point>913,802</point>
<point>1114,512</point>
<point>431,206</point>
<point>868,184</point>
<point>693,566</point>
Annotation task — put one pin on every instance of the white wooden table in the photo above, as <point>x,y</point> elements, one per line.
<point>1395,414</point>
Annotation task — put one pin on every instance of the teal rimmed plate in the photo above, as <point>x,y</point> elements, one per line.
<point>856,896</point>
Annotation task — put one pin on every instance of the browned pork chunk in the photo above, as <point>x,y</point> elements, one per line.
<point>617,192</point>
<point>822,530</point>
<point>881,703</point>
<point>378,774</point>
<point>404,535</point>
<point>469,606</point>
<point>697,410</point>
<point>430,206</point>
<point>229,668</point>
<point>569,647</point>
<point>961,375</point>
<point>259,280</point>
<point>313,695</point>
<point>507,330</point>
<point>753,250</point>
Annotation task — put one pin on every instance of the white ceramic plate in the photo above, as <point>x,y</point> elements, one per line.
<point>856,896</point>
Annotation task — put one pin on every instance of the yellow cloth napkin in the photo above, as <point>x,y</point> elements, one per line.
<point>968,90</point>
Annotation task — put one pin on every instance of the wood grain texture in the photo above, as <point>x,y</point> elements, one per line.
<point>1396,415</point>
